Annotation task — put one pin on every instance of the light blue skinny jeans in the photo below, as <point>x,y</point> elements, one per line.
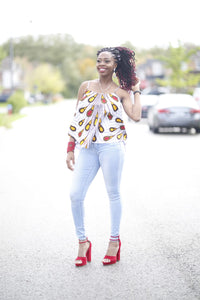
<point>110,157</point>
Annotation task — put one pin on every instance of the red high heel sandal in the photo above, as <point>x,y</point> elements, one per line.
<point>113,259</point>
<point>84,259</point>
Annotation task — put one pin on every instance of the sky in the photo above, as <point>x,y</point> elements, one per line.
<point>144,23</point>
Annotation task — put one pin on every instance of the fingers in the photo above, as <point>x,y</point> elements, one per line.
<point>137,86</point>
<point>70,161</point>
<point>69,165</point>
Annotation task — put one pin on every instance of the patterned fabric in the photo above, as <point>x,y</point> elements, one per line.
<point>98,119</point>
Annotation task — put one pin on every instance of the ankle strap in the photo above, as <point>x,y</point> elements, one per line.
<point>84,241</point>
<point>114,238</point>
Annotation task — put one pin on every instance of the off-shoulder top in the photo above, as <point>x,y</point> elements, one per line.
<point>98,119</point>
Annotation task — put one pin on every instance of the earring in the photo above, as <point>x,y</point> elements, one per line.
<point>114,74</point>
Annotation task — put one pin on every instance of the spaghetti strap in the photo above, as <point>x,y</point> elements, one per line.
<point>88,85</point>
<point>116,89</point>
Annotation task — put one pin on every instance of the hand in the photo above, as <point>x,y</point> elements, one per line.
<point>70,160</point>
<point>136,87</point>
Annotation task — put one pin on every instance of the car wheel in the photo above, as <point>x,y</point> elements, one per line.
<point>197,130</point>
<point>155,129</point>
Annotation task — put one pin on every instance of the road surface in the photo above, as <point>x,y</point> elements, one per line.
<point>160,230</point>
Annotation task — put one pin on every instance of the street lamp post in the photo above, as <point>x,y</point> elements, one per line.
<point>11,64</point>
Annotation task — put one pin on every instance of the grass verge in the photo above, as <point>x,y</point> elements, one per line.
<point>6,120</point>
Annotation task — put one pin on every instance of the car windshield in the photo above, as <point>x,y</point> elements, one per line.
<point>177,100</point>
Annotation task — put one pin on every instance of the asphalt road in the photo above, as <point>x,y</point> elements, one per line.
<point>160,231</point>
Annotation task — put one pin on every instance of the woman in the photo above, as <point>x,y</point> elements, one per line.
<point>98,129</point>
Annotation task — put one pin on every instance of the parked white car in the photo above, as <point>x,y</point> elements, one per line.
<point>147,101</point>
<point>174,110</point>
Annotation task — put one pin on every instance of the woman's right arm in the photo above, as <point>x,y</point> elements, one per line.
<point>70,154</point>
<point>81,91</point>
<point>70,161</point>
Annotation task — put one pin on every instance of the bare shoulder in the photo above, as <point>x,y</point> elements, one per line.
<point>82,89</point>
<point>88,85</point>
<point>83,85</point>
<point>123,94</point>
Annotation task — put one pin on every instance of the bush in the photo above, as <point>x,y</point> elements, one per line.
<point>17,101</point>
<point>5,121</point>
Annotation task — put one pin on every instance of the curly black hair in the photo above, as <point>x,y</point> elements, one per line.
<point>125,70</point>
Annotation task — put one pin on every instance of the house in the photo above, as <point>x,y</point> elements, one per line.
<point>10,75</point>
<point>195,63</point>
<point>149,71</point>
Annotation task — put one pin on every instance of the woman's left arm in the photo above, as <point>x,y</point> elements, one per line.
<point>133,110</point>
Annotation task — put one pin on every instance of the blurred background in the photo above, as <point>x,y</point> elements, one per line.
<point>48,49</point>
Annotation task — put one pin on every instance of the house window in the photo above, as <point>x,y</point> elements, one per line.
<point>197,64</point>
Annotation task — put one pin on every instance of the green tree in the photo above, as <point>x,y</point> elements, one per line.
<point>47,79</point>
<point>50,49</point>
<point>60,51</point>
<point>78,67</point>
<point>87,68</point>
<point>177,62</point>
<point>2,53</point>
<point>76,62</point>
<point>72,77</point>
<point>27,69</point>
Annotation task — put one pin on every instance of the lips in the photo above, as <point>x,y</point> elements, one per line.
<point>102,69</point>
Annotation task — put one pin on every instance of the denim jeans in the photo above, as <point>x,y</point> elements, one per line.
<point>110,157</point>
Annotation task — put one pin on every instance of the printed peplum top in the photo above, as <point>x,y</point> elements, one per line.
<point>98,118</point>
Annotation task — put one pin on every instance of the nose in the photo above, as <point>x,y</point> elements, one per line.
<point>101,64</point>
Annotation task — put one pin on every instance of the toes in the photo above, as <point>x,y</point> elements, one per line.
<point>78,262</point>
<point>106,260</point>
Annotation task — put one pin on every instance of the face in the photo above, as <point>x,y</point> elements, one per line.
<point>105,63</point>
